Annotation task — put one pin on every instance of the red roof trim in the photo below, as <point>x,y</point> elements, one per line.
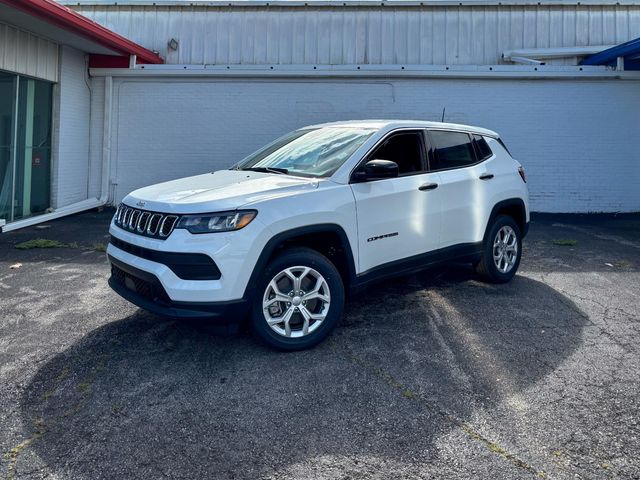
<point>65,18</point>
<point>108,61</point>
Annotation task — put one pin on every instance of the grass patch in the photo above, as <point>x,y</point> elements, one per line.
<point>100,247</point>
<point>42,243</point>
<point>565,242</point>
<point>621,264</point>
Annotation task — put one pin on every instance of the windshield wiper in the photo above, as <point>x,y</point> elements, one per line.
<point>267,169</point>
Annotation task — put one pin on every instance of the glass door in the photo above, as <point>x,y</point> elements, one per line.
<point>8,86</point>
<point>25,146</point>
<point>33,148</point>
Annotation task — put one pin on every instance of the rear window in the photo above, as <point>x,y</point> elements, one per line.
<point>451,150</point>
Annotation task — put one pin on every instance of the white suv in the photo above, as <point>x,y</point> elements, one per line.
<point>324,210</point>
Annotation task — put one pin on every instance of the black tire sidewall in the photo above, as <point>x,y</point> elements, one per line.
<point>294,257</point>
<point>492,270</point>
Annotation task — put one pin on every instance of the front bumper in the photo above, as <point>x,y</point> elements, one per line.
<point>233,253</point>
<point>145,290</point>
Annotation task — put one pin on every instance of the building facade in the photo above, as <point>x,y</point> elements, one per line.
<point>46,95</point>
<point>237,74</point>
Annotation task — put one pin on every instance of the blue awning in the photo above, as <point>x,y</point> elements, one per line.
<point>630,51</point>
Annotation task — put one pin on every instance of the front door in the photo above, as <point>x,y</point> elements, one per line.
<point>398,217</point>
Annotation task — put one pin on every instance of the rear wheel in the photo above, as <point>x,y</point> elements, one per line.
<point>299,299</point>
<point>502,251</point>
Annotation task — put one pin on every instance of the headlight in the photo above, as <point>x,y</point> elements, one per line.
<point>217,222</point>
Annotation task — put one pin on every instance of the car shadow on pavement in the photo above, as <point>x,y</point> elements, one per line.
<point>410,364</point>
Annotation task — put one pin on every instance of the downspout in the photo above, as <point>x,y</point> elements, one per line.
<point>106,140</point>
<point>87,81</point>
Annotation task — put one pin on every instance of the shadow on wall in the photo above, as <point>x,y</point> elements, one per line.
<point>145,396</point>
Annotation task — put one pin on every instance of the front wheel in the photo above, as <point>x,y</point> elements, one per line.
<point>298,300</point>
<point>502,251</point>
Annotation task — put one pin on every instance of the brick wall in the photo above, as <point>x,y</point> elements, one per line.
<point>576,138</point>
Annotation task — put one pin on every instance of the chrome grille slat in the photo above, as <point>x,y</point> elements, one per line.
<point>154,222</point>
<point>166,227</point>
<point>127,216</point>
<point>133,220</point>
<point>142,222</point>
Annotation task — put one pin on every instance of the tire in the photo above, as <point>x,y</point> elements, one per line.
<point>319,311</point>
<point>487,267</point>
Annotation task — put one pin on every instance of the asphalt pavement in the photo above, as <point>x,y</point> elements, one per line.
<point>435,375</point>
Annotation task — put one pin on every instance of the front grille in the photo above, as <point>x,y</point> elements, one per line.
<point>148,290</point>
<point>142,222</point>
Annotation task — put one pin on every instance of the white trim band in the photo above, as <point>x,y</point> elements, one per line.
<point>341,3</point>
<point>367,71</point>
<point>60,212</point>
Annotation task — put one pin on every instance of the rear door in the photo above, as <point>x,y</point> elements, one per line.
<point>463,162</point>
<point>398,217</point>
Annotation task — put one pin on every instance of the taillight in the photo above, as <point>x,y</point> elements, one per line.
<point>522,175</point>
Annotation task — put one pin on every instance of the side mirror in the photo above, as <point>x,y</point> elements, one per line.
<point>377,170</point>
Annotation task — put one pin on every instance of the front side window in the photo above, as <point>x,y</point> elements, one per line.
<point>309,152</point>
<point>451,150</point>
<point>405,149</point>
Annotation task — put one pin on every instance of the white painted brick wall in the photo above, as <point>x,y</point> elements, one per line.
<point>576,138</point>
<point>71,157</point>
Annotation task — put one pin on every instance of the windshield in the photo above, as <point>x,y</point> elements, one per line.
<point>308,153</point>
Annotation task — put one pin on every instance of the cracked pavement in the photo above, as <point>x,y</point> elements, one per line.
<point>435,375</point>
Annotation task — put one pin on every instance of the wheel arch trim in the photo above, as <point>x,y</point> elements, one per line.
<point>509,202</point>
<point>275,241</point>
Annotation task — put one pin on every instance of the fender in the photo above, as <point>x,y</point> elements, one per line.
<point>281,237</point>
<point>509,203</point>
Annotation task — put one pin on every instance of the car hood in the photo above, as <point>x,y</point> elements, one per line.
<point>217,191</point>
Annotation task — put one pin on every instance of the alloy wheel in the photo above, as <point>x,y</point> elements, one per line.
<point>296,301</point>
<point>505,249</point>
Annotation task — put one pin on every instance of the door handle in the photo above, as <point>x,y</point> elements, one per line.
<point>428,186</point>
<point>486,176</point>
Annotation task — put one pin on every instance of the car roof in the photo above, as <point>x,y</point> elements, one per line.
<point>393,124</point>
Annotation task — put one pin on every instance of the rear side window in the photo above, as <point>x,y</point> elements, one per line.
<point>482,147</point>
<point>451,150</point>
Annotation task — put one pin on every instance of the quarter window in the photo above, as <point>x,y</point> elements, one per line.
<point>451,150</point>
<point>482,147</point>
